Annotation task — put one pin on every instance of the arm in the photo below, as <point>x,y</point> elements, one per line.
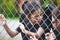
<point>39,32</point>
<point>30,33</point>
<point>11,32</point>
<point>8,30</point>
<point>26,31</point>
<point>37,35</point>
<point>20,2</point>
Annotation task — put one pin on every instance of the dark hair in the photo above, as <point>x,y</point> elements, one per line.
<point>56,12</point>
<point>17,2</point>
<point>29,8</point>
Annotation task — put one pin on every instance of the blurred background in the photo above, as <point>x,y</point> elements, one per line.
<point>12,14</point>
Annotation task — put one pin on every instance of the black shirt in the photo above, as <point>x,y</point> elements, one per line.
<point>57,34</point>
<point>45,24</point>
<point>32,28</point>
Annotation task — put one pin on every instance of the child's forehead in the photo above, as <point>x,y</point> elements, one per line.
<point>30,7</point>
<point>35,14</point>
<point>38,11</point>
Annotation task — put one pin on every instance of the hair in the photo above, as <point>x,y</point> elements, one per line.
<point>29,8</point>
<point>56,12</point>
<point>17,4</point>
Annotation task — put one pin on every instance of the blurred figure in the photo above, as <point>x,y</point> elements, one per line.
<point>30,24</point>
<point>56,22</point>
<point>50,35</point>
<point>55,34</point>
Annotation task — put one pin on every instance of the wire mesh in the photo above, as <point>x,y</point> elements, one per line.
<point>15,15</point>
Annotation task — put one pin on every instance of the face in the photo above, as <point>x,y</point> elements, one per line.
<point>36,17</point>
<point>56,23</point>
<point>56,19</point>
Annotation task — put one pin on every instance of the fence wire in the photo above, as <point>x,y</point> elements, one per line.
<point>14,16</point>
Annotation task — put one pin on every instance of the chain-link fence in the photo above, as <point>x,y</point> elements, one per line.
<point>30,15</point>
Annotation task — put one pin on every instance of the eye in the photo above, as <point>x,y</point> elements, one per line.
<point>36,15</point>
<point>54,21</point>
<point>47,35</point>
<point>40,14</point>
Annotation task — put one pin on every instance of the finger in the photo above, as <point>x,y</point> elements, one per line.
<point>35,38</point>
<point>31,38</point>
<point>1,16</point>
<point>4,22</point>
<point>21,26</point>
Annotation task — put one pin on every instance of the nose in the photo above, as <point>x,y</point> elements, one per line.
<point>39,19</point>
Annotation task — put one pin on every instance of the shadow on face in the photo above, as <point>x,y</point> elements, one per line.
<point>56,18</point>
<point>35,17</point>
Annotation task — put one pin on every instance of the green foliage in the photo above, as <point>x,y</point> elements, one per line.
<point>9,4</point>
<point>1,2</point>
<point>47,2</point>
<point>8,8</point>
<point>57,2</point>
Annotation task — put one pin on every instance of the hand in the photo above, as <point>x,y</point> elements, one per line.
<point>22,27</point>
<point>21,2</point>
<point>2,20</point>
<point>33,38</point>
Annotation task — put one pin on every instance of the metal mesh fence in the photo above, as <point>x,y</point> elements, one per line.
<point>30,15</point>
